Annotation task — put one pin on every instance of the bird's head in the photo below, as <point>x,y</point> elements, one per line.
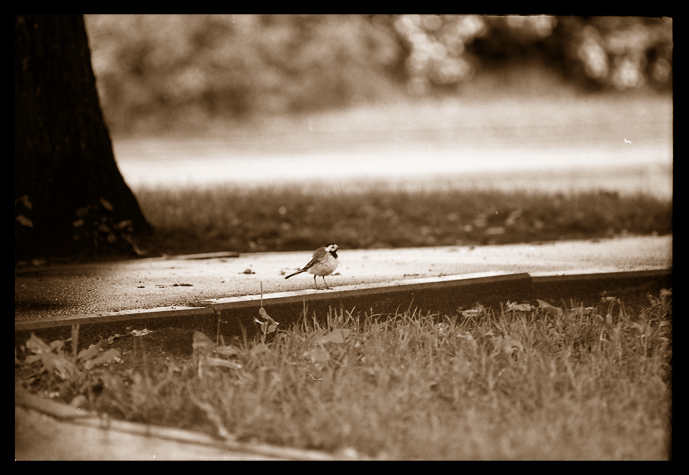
<point>331,248</point>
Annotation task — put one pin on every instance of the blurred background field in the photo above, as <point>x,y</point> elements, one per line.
<point>248,132</point>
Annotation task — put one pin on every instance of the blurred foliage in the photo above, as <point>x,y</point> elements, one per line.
<point>156,72</point>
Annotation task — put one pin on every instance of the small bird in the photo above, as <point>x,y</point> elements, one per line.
<point>324,262</point>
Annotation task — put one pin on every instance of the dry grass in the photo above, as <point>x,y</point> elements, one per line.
<point>522,382</point>
<point>189,220</point>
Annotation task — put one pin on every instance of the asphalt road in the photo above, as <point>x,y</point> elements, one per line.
<point>85,289</point>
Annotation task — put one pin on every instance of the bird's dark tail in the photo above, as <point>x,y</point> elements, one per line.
<point>294,273</point>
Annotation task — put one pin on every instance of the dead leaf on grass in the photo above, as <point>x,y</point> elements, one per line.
<point>59,365</point>
<point>550,309</point>
<point>110,356</point>
<point>338,335</point>
<point>260,348</point>
<point>507,345</point>
<point>202,345</point>
<point>226,350</point>
<point>24,221</point>
<point>37,345</point>
<point>318,356</point>
<point>270,325</point>
<point>519,307</point>
<point>223,363</point>
<point>90,352</point>
<point>143,332</point>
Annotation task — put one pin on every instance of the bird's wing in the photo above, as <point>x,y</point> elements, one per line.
<point>311,263</point>
<point>317,255</point>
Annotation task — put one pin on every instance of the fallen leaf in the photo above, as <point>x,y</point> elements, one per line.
<point>24,221</point>
<point>81,212</point>
<point>123,224</point>
<point>32,358</point>
<point>519,307</point>
<point>507,345</point>
<point>202,345</point>
<point>549,309</point>
<point>110,356</point>
<point>25,201</point>
<point>260,348</point>
<point>59,365</point>
<point>90,352</point>
<point>471,313</point>
<point>37,345</point>
<point>106,204</point>
<point>223,363</point>
<point>57,345</point>
<point>226,350</point>
<point>338,335</point>
<point>270,325</point>
<point>318,356</point>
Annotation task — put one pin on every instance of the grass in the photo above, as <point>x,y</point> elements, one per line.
<point>521,382</point>
<point>240,216</point>
<point>279,218</point>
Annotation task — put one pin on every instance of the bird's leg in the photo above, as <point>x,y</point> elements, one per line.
<point>326,284</point>
<point>315,283</point>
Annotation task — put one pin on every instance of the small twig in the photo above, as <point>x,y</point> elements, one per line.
<point>75,340</point>
<point>213,417</point>
<point>217,332</point>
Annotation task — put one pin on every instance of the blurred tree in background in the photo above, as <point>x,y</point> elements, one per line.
<point>158,73</point>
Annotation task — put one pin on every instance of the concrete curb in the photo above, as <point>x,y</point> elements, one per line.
<point>437,294</point>
<point>576,275</point>
<point>111,439</point>
<point>113,317</point>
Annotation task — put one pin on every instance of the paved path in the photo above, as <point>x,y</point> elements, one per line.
<point>83,289</point>
<point>47,430</point>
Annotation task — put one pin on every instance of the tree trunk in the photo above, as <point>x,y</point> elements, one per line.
<point>70,198</point>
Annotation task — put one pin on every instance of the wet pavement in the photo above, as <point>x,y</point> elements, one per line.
<point>87,289</point>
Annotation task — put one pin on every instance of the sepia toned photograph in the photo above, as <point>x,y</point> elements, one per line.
<point>343,237</point>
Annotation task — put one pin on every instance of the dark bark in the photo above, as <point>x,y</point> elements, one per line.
<point>70,198</point>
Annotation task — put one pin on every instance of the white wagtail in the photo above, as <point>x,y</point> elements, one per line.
<point>324,262</point>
